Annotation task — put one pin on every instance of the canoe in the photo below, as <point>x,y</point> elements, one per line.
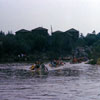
<point>52,68</point>
<point>40,70</point>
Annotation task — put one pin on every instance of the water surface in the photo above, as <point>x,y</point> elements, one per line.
<point>76,82</point>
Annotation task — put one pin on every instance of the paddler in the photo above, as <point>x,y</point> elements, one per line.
<point>43,67</point>
<point>32,67</point>
<point>37,65</point>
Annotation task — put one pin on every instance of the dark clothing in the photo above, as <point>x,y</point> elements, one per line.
<point>43,66</point>
<point>37,66</point>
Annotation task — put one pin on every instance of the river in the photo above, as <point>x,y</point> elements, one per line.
<point>76,82</point>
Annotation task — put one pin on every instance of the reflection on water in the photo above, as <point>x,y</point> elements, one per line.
<point>79,82</point>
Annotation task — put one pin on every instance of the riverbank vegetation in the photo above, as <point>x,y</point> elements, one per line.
<point>27,45</point>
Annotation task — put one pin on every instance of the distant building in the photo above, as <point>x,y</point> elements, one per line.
<point>40,31</point>
<point>73,33</point>
<point>57,32</point>
<point>22,31</point>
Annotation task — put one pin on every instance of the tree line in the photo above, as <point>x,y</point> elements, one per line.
<point>39,44</point>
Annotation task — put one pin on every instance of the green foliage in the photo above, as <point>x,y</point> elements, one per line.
<point>96,50</point>
<point>81,42</point>
<point>54,46</point>
<point>91,39</point>
<point>93,62</point>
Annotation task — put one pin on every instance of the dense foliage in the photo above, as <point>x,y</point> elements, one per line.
<point>44,46</point>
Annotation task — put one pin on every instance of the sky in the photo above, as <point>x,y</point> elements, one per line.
<point>83,15</point>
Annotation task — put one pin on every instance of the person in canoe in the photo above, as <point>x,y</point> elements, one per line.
<point>44,68</point>
<point>36,66</point>
<point>56,63</point>
<point>53,63</point>
<point>32,67</point>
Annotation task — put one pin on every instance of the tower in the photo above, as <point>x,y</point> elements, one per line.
<point>51,30</point>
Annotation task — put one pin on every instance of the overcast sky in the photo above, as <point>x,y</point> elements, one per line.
<point>83,15</point>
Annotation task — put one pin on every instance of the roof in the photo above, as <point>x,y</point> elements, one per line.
<point>58,31</point>
<point>72,30</point>
<point>40,28</point>
<point>22,30</point>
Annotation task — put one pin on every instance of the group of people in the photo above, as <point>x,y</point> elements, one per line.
<point>37,66</point>
<point>56,63</point>
<point>79,60</point>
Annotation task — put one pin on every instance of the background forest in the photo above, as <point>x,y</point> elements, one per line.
<point>27,45</point>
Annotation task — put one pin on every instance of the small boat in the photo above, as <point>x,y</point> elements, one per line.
<point>52,68</point>
<point>55,66</point>
<point>40,70</point>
